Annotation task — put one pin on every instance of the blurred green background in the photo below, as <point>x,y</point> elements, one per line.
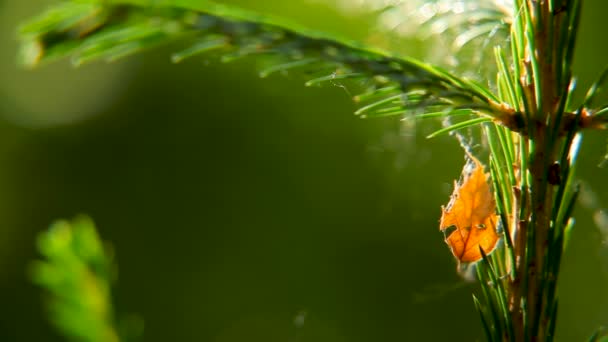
<point>237,205</point>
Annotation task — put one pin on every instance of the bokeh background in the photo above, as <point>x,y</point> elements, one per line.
<point>240,208</point>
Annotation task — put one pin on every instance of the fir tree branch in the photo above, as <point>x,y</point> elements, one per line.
<point>394,85</point>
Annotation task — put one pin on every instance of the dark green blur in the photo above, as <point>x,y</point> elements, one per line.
<point>237,205</point>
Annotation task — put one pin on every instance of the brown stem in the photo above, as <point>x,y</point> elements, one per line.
<point>541,206</point>
<point>541,192</point>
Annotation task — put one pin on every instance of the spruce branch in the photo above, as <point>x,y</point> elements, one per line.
<point>393,85</point>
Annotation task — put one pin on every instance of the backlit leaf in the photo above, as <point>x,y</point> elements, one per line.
<point>471,214</point>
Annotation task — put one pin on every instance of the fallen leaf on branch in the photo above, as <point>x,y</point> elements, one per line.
<point>469,221</point>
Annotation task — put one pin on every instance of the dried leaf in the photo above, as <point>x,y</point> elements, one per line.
<point>472,212</point>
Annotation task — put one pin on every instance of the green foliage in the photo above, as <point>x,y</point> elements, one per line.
<point>77,273</point>
<point>392,85</point>
<point>601,335</point>
<point>531,128</point>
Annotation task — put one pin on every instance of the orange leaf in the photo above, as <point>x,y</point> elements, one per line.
<point>471,212</point>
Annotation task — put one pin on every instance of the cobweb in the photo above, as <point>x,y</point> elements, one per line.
<point>459,35</point>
